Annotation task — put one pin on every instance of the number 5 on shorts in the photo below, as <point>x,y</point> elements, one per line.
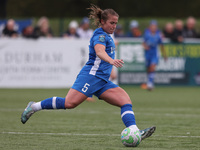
<point>85,87</point>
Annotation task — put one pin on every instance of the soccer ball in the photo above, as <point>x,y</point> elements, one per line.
<point>131,137</point>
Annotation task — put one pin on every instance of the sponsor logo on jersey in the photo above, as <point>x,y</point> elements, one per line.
<point>112,50</point>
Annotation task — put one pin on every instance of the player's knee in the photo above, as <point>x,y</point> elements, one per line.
<point>125,101</point>
<point>70,105</point>
<point>128,101</point>
<point>152,68</point>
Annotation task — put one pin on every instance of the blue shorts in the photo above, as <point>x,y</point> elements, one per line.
<point>92,85</point>
<point>151,60</point>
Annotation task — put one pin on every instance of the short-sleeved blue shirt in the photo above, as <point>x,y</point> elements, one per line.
<point>95,66</point>
<point>152,40</point>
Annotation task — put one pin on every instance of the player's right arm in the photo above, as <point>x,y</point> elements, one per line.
<point>146,47</point>
<point>144,44</point>
<point>101,53</point>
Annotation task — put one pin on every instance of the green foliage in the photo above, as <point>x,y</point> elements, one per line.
<point>61,12</point>
<point>126,8</point>
<point>97,125</point>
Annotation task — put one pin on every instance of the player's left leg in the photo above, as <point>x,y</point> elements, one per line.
<point>147,132</point>
<point>118,97</point>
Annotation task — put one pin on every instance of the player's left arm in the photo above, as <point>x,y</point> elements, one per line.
<point>101,53</point>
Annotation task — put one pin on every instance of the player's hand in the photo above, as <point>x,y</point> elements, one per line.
<point>117,63</point>
<point>146,47</point>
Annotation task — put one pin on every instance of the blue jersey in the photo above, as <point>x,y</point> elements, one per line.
<point>95,66</point>
<point>152,40</point>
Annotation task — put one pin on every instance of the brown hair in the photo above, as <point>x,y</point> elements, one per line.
<point>97,14</point>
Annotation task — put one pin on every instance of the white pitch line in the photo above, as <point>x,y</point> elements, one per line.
<point>75,134</point>
<point>114,113</point>
<point>85,134</point>
<point>186,136</point>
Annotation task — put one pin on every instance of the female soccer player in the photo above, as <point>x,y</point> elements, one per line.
<point>152,38</point>
<point>93,79</point>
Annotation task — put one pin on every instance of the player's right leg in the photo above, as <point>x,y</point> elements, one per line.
<point>151,72</point>
<point>151,76</point>
<point>82,88</point>
<point>72,99</point>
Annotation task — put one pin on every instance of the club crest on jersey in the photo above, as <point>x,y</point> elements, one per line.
<point>102,38</point>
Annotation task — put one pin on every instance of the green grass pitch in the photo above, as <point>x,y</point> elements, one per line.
<point>97,125</point>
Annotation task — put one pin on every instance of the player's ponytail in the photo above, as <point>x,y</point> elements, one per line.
<point>97,14</point>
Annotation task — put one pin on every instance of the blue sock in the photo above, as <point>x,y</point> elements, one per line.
<point>151,76</point>
<point>53,103</point>
<point>127,115</point>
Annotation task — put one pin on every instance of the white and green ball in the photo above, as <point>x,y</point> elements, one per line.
<point>131,137</point>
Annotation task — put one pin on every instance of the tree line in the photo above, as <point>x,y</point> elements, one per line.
<point>77,8</point>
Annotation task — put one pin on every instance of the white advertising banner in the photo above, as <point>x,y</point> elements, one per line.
<point>42,63</point>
